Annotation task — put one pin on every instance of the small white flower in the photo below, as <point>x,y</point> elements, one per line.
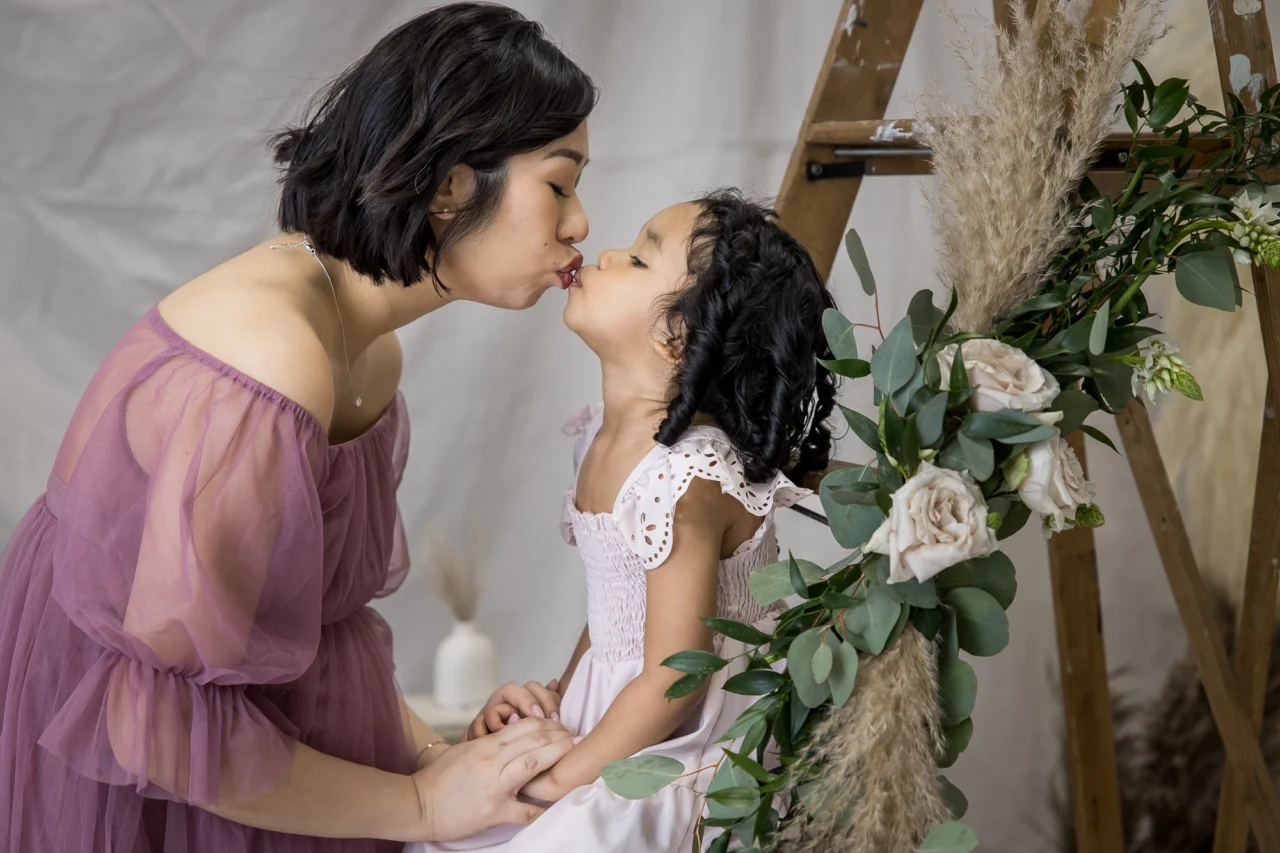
<point>1054,484</point>
<point>1255,211</point>
<point>1158,371</point>
<point>938,519</point>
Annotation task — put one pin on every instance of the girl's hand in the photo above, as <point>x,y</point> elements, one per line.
<point>516,700</point>
<point>544,787</point>
<point>473,786</point>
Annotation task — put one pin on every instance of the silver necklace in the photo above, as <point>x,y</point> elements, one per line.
<point>305,243</point>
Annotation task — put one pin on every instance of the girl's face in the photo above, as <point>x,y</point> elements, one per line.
<point>615,305</point>
<point>528,248</point>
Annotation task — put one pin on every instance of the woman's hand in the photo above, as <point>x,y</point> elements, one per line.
<point>512,701</point>
<point>473,786</point>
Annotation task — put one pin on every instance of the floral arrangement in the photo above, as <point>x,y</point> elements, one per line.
<point>1046,323</point>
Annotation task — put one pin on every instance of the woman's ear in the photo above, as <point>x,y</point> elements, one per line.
<point>454,192</point>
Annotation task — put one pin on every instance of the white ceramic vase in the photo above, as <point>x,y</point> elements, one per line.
<point>466,668</point>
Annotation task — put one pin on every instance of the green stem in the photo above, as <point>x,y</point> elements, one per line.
<point>1132,290</point>
<point>1133,185</point>
<point>1203,225</point>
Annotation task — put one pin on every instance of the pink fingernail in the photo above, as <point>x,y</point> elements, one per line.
<point>537,712</point>
<point>577,741</point>
<point>555,718</point>
<point>512,718</point>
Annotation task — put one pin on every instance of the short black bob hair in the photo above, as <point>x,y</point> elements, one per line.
<point>471,83</point>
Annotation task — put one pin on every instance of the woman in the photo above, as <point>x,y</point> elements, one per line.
<point>187,661</point>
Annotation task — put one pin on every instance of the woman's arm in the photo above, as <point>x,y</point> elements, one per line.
<point>678,593</point>
<point>421,736</point>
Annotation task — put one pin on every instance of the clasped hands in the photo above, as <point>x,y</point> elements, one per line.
<point>511,702</point>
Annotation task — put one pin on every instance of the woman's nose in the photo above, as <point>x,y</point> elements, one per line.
<point>574,226</point>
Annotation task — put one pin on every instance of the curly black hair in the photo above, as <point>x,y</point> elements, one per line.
<point>750,321</point>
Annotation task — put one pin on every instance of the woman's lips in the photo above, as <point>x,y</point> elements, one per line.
<point>569,274</point>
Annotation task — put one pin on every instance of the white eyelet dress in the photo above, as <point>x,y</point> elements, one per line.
<point>617,549</point>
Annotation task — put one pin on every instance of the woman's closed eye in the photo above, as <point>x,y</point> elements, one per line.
<point>559,190</point>
<point>636,262</point>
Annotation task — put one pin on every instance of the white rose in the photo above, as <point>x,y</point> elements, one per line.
<point>1003,377</point>
<point>1055,485</point>
<point>938,519</point>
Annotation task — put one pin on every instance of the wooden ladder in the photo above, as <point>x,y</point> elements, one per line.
<point>843,139</point>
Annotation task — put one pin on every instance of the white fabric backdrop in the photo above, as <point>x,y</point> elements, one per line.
<point>131,159</point>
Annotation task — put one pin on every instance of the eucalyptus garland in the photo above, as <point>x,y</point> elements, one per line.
<point>967,443</point>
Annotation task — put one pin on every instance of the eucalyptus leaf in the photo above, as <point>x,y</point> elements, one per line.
<point>863,427</point>
<point>748,718</point>
<point>1208,279</point>
<point>894,362</point>
<point>731,777</point>
<point>1112,379</point>
<point>957,738</point>
<point>929,420</point>
<point>799,585</point>
<point>857,254</point>
<point>979,454</point>
<point>844,673</point>
<point>822,662</point>
<point>850,368</point>
<point>1040,433</point>
<point>1006,423</point>
<point>800,667</point>
<point>981,624</point>
<point>1075,407</point>
<point>928,622</point>
<point>912,592</point>
<point>1078,335</point>
<point>1121,339</point>
<point>993,574</point>
<point>952,456</point>
<point>851,523</point>
<point>1101,323</point>
<point>882,614</point>
<point>1015,518</point>
<point>958,691</point>
<point>924,315</point>
<point>773,582</point>
<point>641,776</point>
<point>955,799</point>
<point>839,332</point>
<point>950,837</point>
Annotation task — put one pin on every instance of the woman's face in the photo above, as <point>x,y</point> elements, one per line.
<point>615,305</point>
<point>528,248</point>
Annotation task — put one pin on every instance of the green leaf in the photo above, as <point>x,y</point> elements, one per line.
<point>894,362</point>
<point>754,682</point>
<point>850,368</point>
<point>641,776</point>
<point>930,419</point>
<point>1130,115</point>
<point>695,661</point>
<point>731,777</point>
<point>1147,83</point>
<point>1006,423</point>
<point>685,684</point>
<point>1112,380</point>
<point>882,613</point>
<point>721,844</point>
<point>739,631</point>
<point>914,593</point>
<point>1098,435</point>
<point>1036,304</point>
<point>1040,433</point>
<point>798,584</point>
<point>928,622</point>
<point>903,397</point>
<point>800,667</point>
<point>1075,407</point>
<point>821,663</point>
<point>773,582</point>
<point>851,523</point>
<point>1168,100</point>
<point>1124,338</point>
<point>1014,519</point>
<point>1103,215</point>
<point>844,672</point>
<point>955,799</point>
<point>755,735</point>
<point>1078,335</point>
<point>839,332</point>
<point>799,714</point>
<point>958,690</point>
<point>857,254</point>
<point>958,737</point>
<point>753,768</point>
<point>1208,279</point>
<point>994,574</point>
<point>1101,322</point>
<point>924,315</point>
<point>1162,152</point>
<point>950,837</point>
<point>748,718</point>
<point>981,623</point>
<point>863,427</point>
<point>979,455</point>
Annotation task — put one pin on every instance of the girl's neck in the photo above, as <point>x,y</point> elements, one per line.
<point>635,401</point>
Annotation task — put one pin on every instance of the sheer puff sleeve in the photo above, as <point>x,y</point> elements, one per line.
<point>190,549</point>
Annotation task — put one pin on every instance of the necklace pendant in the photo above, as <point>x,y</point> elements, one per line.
<point>359,402</point>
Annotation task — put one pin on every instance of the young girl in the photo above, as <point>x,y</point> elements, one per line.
<point>708,330</point>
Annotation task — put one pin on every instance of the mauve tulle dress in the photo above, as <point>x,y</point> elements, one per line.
<point>186,603</point>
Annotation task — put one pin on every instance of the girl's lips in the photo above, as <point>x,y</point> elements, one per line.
<point>569,274</point>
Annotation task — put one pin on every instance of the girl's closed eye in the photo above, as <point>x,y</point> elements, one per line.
<point>636,262</point>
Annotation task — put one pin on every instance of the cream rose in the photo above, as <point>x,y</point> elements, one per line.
<point>1054,484</point>
<point>938,519</point>
<point>1003,377</point>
